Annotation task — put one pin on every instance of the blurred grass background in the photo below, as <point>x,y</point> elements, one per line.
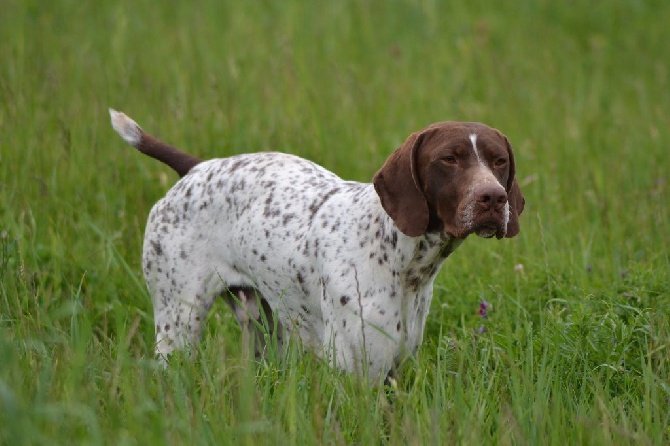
<point>575,349</point>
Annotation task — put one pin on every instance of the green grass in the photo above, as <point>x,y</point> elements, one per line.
<point>577,342</point>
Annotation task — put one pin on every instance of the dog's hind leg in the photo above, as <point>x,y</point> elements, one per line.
<point>182,290</point>
<point>255,317</point>
<point>180,313</point>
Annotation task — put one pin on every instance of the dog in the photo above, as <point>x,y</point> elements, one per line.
<point>346,267</point>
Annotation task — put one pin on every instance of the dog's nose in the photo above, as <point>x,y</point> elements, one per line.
<point>491,197</point>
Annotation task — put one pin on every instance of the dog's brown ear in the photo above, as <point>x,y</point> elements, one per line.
<point>514,196</point>
<point>397,184</point>
<point>516,205</point>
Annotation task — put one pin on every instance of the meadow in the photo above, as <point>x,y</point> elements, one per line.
<point>575,345</point>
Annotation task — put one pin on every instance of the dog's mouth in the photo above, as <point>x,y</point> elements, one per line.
<point>484,224</point>
<point>487,230</point>
<point>488,226</point>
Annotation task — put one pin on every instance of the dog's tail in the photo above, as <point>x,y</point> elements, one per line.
<point>134,135</point>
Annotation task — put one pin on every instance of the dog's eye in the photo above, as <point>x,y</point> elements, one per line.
<point>450,159</point>
<point>500,162</point>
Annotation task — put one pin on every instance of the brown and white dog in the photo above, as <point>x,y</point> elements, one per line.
<point>347,267</point>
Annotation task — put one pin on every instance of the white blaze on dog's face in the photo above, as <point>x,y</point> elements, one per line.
<point>483,176</point>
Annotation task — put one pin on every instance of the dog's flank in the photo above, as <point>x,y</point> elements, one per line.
<point>133,134</point>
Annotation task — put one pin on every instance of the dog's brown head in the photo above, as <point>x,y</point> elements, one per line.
<point>452,177</point>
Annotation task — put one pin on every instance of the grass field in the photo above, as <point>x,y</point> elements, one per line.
<point>576,344</point>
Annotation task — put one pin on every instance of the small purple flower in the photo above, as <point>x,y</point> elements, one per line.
<point>482,309</point>
<point>483,306</point>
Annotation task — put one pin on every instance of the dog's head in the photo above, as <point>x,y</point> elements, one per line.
<point>457,178</point>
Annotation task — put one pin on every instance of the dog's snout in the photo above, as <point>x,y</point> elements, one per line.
<point>491,197</point>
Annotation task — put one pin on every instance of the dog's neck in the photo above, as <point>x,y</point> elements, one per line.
<point>416,258</point>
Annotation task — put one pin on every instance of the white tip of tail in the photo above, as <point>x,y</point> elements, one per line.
<point>126,127</point>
